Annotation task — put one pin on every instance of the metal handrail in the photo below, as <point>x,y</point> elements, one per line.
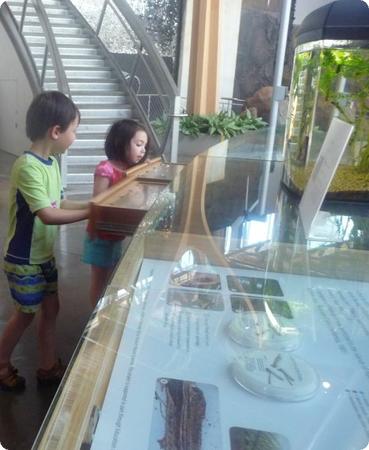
<point>20,45</point>
<point>24,10</point>
<point>117,72</point>
<point>159,71</point>
<point>149,65</point>
<point>50,47</point>
<point>158,66</point>
<point>147,54</point>
<point>61,78</point>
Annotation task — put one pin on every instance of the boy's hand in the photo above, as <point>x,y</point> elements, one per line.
<point>58,216</point>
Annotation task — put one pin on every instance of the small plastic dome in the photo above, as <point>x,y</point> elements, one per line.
<point>341,19</point>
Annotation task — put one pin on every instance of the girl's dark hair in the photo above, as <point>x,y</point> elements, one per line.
<point>48,109</point>
<point>119,137</point>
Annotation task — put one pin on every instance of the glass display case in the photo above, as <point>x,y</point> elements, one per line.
<point>223,327</point>
<point>330,79</point>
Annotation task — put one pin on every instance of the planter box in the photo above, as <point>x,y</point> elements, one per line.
<point>190,146</point>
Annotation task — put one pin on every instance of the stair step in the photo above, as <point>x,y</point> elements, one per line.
<point>92,121</point>
<point>46,3</point>
<point>79,192</point>
<point>93,127</point>
<point>103,92</point>
<point>103,106</point>
<point>90,135</point>
<point>52,12</point>
<point>88,143</point>
<point>81,152</point>
<point>93,74</point>
<point>57,9</point>
<point>77,64</point>
<point>84,167</point>
<point>38,50</point>
<point>88,87</point>
<point>60,40</point>
<point>71,31</point>
<point>55,21</point>
<point>98,86</point>
<point>112,113</point>
<point>87,160</point>
<point>80,178</point>
<point>84,100</point>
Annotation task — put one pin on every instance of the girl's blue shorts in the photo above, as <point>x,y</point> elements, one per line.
<point>101,252</point>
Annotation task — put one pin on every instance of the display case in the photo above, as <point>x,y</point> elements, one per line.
<point>223,327</point>
<point>120,209</point>
<point>330,79</point>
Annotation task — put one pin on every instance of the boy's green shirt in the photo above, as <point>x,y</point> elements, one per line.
<point>35,183</point>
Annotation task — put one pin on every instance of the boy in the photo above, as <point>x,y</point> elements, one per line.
<point>35,206</point>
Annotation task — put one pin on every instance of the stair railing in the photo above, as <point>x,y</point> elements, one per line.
<point>146,78</point>
<point>51,51</point>
<point>24,55</point>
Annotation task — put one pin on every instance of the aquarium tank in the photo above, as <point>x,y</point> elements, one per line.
<point>330,79</point>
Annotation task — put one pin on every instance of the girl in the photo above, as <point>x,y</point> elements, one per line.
<point>125,146</point>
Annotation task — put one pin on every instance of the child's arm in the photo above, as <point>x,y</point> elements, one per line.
<point>59,216</point>
<point>101,184</point>
<point>71,211</point>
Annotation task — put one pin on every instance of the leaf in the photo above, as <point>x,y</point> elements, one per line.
<point>224,124</point>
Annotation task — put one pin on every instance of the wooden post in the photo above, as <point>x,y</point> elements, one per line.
<point>203,92</point>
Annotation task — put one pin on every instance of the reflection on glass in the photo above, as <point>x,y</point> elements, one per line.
<point>186,273</point>
<point>257,230</point>
<point>329,228</point>
<point>263,331</point>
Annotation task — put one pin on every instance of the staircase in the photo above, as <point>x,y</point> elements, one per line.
<point>92,84</point>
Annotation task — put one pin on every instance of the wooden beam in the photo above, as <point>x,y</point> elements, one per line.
<point>203,92</point>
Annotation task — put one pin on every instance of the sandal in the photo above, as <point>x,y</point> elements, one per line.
<point>12,368</point>
<point>51,376</point>
<point>12,382</point>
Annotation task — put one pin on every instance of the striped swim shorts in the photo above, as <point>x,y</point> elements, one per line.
<point>30,283</point>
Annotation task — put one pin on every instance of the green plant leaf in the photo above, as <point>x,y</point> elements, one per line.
<point>224,124</point>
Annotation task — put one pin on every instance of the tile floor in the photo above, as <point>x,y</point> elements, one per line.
<point>21,415</point>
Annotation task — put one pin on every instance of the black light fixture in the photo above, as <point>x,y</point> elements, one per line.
<point>341,19</point>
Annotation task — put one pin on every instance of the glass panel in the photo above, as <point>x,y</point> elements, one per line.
<point>90,10</point>
<point>163,19</point>
<point>137,67</point>
<point>260,24</point>
<point>221,302</point>
<point>257,47</point>
<point>117,35</point>
<point>329,80</point>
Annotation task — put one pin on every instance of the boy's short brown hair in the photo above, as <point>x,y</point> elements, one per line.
<point>48,109</point>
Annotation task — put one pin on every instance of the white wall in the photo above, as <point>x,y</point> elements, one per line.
<point>15,97</point>
<point>230,28</point>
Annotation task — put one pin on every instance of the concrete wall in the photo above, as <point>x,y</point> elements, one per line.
<point>15,97</point>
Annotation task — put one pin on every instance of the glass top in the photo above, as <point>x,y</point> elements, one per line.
<point>225,326</point>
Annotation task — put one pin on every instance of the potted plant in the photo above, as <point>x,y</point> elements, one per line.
<point>199,132</point>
